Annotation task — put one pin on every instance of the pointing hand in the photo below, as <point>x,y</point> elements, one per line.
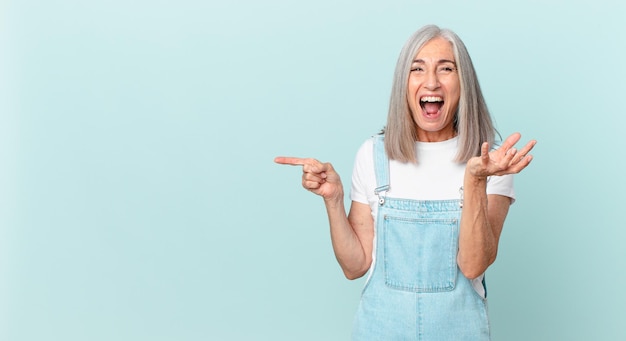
<point>317,177</point>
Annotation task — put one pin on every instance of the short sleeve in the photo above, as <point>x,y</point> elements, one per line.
<point>363,173</point>
<point>501,185</point>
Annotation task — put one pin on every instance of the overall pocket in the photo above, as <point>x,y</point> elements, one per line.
<point>420,254</point>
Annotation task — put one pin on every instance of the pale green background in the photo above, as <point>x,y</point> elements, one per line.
<point>139,200</point>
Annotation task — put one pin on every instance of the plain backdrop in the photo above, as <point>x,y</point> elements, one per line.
<point>139,199</point>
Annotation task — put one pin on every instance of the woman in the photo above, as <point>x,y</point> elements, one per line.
<point>429,200</point>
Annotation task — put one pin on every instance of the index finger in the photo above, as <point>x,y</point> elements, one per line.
<point>293,161</point>
<point>511,140</point>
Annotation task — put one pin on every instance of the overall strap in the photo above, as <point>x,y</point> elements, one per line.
<point>381,168</point>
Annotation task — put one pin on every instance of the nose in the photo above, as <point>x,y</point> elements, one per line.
<point>431,81</point>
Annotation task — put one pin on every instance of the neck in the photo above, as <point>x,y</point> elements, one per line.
<point>435,136</point>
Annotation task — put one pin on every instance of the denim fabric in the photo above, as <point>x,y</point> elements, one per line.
<point>415,290</point>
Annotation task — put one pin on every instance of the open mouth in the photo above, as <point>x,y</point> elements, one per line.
<point>431,105</point>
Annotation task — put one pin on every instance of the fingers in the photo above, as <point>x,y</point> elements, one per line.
<point>522,159</point>
<point>313,177</point>
<point>512,155</point>
<point>484,153</point>
<point>511,141</point>
<point>293,161</point>
<point>519,165</point>
<point>522,154</point>
<point>314,172</point>
<point>507,159</point>
<point>308,164</point>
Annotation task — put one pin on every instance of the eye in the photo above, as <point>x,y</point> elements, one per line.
<point>446,69</point>
<point>417,69</point>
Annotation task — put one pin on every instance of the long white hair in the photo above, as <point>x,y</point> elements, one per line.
<point>472,120</point>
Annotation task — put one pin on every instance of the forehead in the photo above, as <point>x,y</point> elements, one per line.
<point>434,50</point>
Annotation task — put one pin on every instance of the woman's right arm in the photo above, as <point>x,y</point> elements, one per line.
<point>352,235</point>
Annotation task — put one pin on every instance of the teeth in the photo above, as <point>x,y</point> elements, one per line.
<point>431,99</point>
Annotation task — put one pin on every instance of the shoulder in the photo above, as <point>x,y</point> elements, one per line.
<point>366,150</point>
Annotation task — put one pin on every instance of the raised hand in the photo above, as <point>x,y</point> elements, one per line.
<point>317,177</point>
<point>504,160</point>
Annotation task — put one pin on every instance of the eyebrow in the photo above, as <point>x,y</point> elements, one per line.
<point>440,61</point>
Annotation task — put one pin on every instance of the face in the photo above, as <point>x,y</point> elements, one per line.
<point>434,91</point>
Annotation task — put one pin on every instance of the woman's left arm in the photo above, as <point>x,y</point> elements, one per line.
<point>483,216</point>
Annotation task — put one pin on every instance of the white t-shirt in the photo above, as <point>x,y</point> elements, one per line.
<point>436,176</point>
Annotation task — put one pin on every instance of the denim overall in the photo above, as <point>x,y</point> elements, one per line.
<point>415,290</point>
